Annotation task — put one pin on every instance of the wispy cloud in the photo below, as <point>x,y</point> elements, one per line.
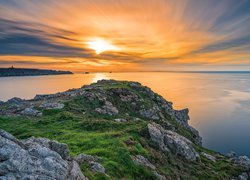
<point>160,34</point>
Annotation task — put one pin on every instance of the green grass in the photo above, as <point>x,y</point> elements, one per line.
<point>85,131</point>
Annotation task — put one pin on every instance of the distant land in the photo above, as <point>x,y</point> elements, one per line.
<point>6,72</point>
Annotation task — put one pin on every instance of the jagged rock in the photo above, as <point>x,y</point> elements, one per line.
<point>243,176</point>
<point>140,160</point>
<point>172,142</point>
<point>1,103</point>
<point>85,158</point>
<point>120,120</point>
<point>160,177</point>
<point>231,154</point>
<point>154,113</point>
<point>208,156</point>
<point>16,101</point>
<point>51,105</point>
<point>108,108</point>
<point>97,167</point>
<point>36,158</point>
<point>30,112</point>
<point>242,160</point>
<point>92,161</point>
<point>46,96</point>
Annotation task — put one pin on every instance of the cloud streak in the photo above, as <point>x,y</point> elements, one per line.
<point>153,35</point>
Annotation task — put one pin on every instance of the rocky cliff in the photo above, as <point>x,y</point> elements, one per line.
<point>127,130</point>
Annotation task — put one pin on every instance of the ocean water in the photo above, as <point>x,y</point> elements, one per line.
<point>219,103</point>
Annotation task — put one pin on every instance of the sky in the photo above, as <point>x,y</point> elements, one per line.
<point>125,35</point>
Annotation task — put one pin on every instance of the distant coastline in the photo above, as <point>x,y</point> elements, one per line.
<point>10,72</point>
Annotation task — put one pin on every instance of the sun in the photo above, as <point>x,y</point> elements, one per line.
<point>101,45</point>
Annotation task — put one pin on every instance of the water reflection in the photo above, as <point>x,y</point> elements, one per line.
<point>219,103</point>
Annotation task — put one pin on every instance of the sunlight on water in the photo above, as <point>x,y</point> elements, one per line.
<point>219,104</point>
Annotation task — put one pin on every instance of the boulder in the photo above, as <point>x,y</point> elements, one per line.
<point>140,160</point>
<point>16,100</point>
<point>108,109</point>
<point>170,141</point>
<point>30,112</point>
<point>120,120</point>
<point>208,156</point>
<point>85,158</point>
<point>96,167</point>
<point>154,113</point>
<point>242,160</point>
<point>36,158</point>
<point>51,105</point>
<point>91,161</point>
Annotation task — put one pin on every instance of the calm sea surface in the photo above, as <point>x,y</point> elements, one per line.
<point>219,103</point>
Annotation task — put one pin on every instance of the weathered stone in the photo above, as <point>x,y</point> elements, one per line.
<point>108,108</point>
<point>30,112</point>
<point>85,158</point>
<point>140,160</point>
<point>231,154</point>
<point>120,120</point>
<point>51,105</point>
<point>243,176</point>
<point>15,100</point>
<point>242,160</point>
<point>97,167</point>
<point>172,142</point>
<point>208,156</point>
<point>154,113</point>
<point>34,159</point>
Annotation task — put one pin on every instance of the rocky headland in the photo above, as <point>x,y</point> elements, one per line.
<point>106,130</point>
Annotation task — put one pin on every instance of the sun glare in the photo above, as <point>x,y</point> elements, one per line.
<point>100,45</point>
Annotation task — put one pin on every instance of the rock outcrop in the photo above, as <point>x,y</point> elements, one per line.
<point>170,141</point>
<point>92,161</point>
<point>36,158</point>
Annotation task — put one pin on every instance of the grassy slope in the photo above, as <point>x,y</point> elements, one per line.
<point>94,134</point>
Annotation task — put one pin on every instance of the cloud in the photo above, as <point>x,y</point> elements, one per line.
<point>153,34</point>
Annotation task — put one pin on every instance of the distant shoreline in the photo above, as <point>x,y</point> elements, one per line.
<point>17,72</point>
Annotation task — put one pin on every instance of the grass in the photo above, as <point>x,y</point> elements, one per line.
<point>85,131</point>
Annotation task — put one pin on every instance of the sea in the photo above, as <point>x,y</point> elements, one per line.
<point>219,102</point>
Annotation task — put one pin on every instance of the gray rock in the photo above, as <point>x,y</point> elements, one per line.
<point>52,105</point>
<point>85,158</point>
<point>15,100</point>
<point>35,158</point>
<point>208,156</point>
<point>97,167</point>
<point>154,113</point>
<point>170,141</point>
<point>243,176</point>
<point>140,160</point>
<point>242,160</point>
<point>231,154</point>
<point>108,108</point>
<point>30,112</point>
<point>120,120</point>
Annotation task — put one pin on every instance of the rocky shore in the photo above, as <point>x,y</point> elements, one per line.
<point>122,125</point>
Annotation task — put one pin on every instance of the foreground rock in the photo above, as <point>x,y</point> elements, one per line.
<point>36,158</point>
<point>170,141</point>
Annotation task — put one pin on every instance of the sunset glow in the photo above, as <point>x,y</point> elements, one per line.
<point>100,45</point>
<point>102,35</point>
